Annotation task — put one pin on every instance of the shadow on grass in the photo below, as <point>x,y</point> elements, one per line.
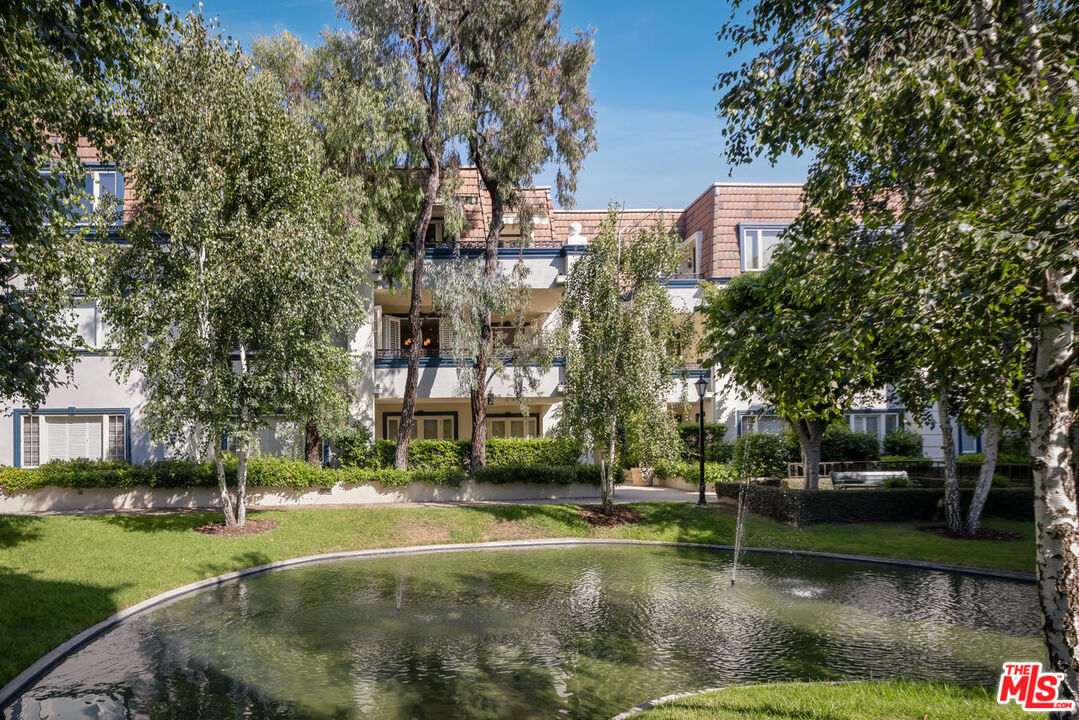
<point>560,514</point>
<point>15,529</point>
<point>40,614</point>
<point>171,522</point>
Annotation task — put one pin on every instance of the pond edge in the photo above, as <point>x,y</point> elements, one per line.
<point>46,662</point>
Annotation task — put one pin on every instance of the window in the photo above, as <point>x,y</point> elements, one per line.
<point>117,437</point>
<point>513,427</point>
<point>425,427</point>
<point>89,324</point>
<point>969,442</point>
<point>31,442</point>
<point>762,423</point>
<point>878,424</point>
<point>391,333</point>
<point>49,437</point>
<point>758,244</point>
<point>101,187</point>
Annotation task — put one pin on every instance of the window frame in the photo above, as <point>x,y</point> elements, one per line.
<point>508,417</point>
<point>105,414</point>
<point>417,427</point>
<point>882,425</point>
<point>746,227</point>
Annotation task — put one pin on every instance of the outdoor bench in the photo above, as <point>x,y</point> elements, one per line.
<point>864,478</point>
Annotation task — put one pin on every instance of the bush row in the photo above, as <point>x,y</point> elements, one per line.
<point>270,472</point>
<point>805,507</point>
<point>690,471</point>
<point>453,454</point>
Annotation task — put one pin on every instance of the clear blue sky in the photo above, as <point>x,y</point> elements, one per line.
<point>656,62</point>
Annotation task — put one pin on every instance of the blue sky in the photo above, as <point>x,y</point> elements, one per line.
<point>656,62</point>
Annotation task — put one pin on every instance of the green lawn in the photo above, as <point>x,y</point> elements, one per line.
<point>61,574</point>
<point>893,700</point>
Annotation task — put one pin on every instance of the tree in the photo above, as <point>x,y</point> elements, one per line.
<point>239,269</point>
<point>963,115</point>
<point>618,332</point>
<point>528,106</point>
<point>362,133</point>
<point>804,353</point>
<point>61,67</point>
<point>417,45</point>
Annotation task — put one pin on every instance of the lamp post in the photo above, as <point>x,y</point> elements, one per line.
<point>491,398</point>
<point>702,386</point>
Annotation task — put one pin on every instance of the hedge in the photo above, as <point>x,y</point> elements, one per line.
<point>903,442</point>
<point>690,471</point>
<point>805,507</point>
<point>532,451</point>
<point>448,454</point>
<point>264,471</point>
<point>761,454</point>
<point>424,454</point>
<point>556,474</point>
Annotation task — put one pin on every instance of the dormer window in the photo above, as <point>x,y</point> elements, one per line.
<point>758,242</point>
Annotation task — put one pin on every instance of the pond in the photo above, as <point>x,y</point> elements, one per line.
<point>574,632</point>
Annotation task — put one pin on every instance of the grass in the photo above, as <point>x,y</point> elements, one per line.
<point>61,574</point>
<point>891,700</point>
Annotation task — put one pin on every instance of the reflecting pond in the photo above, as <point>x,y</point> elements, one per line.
<point>575,632</point>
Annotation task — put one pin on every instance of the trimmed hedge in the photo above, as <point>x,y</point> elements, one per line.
<point>761,454</point>
<point>425,454</point>
<point>805,507</point>
<point>265,471</point>
<point>841,443</point>
<point>690,471</point>
<point>555,474</point>
<point>531,451</point>
<point>447,454</point>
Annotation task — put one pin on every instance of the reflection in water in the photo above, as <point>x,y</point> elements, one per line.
<point>573,632</point>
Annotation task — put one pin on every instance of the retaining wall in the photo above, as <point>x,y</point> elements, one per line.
<point>60,499</point>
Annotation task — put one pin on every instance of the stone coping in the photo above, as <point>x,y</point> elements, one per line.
<point>30,675</point>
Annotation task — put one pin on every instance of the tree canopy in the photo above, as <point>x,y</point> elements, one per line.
<point>240,269</point>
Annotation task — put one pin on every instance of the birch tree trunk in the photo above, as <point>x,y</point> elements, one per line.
<point>241,482</point>
<point>1055,512</point>
<point>608,473</point>
<point>226,497</point>
<point>311,443</point>
<point>952,511</point>
<point>990,449</point>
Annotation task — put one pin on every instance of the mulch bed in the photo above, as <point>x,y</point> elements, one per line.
<point>251,527</point>
<point>982,534</point>
<point>593,515</point>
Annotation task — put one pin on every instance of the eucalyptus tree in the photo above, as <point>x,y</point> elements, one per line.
<point>528,106</point>
<point>807,354</point>
<point>962,116</point>
<point>415,44</point>
<point>364,149</point>
<point>619,332</point>
<point>62,65</point>
<point>239,268</point>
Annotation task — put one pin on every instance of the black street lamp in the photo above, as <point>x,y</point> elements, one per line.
<point>702,386</point>
<point>491,398</point>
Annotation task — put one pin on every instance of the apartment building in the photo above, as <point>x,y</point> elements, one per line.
<point>730,228</point>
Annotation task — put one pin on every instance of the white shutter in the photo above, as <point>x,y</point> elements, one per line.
<point>74,437</point>
<point>391,335</point>
<point>445,337</point>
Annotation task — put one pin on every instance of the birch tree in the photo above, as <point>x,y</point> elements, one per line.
<point>963,115</point>
<point>416,46</point>
<point>62,65</point>
<point>239,269</point>
<point>528,106</point>
<point>618,332</point>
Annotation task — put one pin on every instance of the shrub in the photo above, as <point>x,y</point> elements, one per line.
<point>761,455</point>
<point>977,458</point>
<point>532,451</point>
<point>425,454</point>
<point>716,448</point>
<point>910,464</point>
<point>804,507</point>
<point>1000,481</point>
<point>353,447</point>
<point>552,474</point>
<point>690,471</point>
<point>268,471</point>
<point>841,443</point>
<point>903,442</point>
<point>897,481</point>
